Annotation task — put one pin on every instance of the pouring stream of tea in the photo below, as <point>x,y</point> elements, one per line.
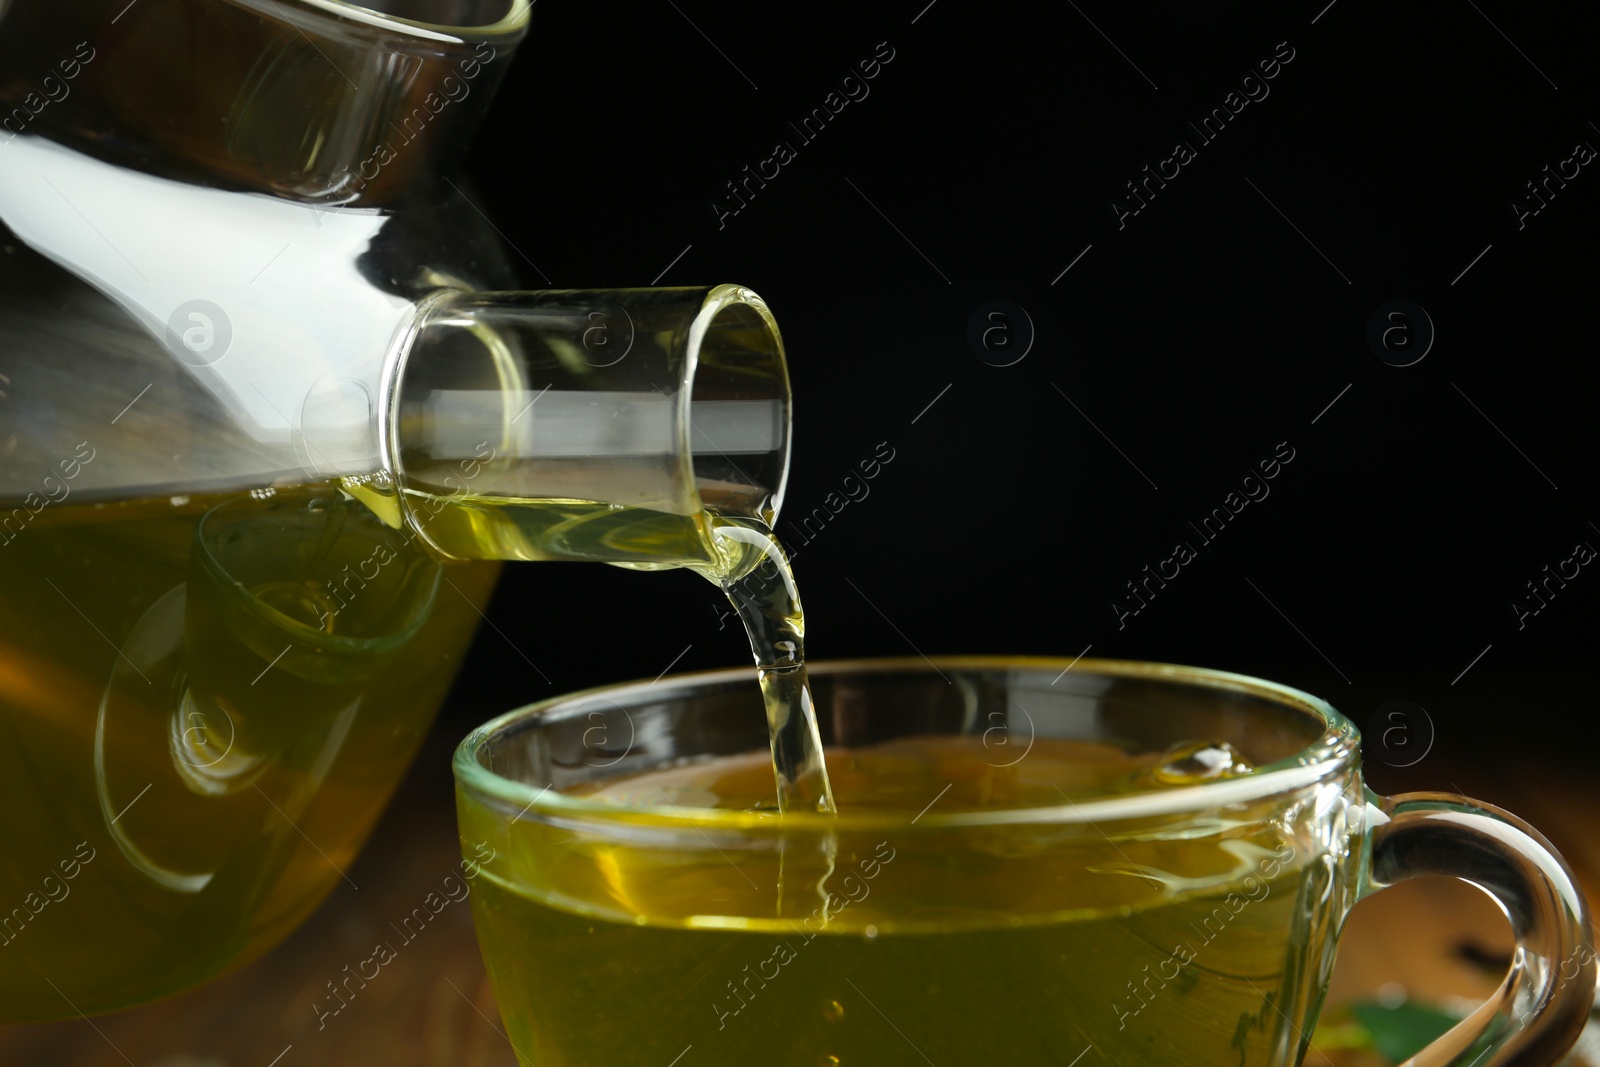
<point>755,574</point>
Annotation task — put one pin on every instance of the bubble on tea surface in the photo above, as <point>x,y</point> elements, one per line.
<point>1200,761</point>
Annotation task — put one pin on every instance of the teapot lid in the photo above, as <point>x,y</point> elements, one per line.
<point>317,100</point>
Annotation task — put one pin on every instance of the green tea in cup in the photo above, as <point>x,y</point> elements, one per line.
<point>1120,862</point>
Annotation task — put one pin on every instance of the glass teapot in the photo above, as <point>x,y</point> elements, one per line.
<point>272,410</point>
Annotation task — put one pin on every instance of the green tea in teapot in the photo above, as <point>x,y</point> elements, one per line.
<point>203,717</point>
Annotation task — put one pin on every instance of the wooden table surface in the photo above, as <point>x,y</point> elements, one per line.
<point>433,1005</point>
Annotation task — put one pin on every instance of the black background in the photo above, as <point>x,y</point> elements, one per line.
<point>1220,320</point>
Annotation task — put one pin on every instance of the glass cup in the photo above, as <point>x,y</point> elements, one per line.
<point>1033,861</point>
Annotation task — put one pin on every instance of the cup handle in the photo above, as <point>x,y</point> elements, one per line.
<point>1544,1002</point>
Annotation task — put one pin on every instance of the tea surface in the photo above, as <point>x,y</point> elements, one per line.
<point>1023,944</point>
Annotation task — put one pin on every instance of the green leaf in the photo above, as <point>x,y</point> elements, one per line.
<point>1403,1031</point>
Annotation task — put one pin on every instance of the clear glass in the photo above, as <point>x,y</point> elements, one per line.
<point>585,425</point>
<point>249,271</point>
<point>1032,859</point>
<point>274,405</point>
<point>320,100</point>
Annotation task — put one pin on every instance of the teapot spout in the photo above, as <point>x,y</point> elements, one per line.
<point>588,424</point>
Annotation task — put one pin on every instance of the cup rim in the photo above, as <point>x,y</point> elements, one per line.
<point>1334,752</point>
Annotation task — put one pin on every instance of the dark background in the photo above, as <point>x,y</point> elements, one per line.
<point>1218,322</point>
